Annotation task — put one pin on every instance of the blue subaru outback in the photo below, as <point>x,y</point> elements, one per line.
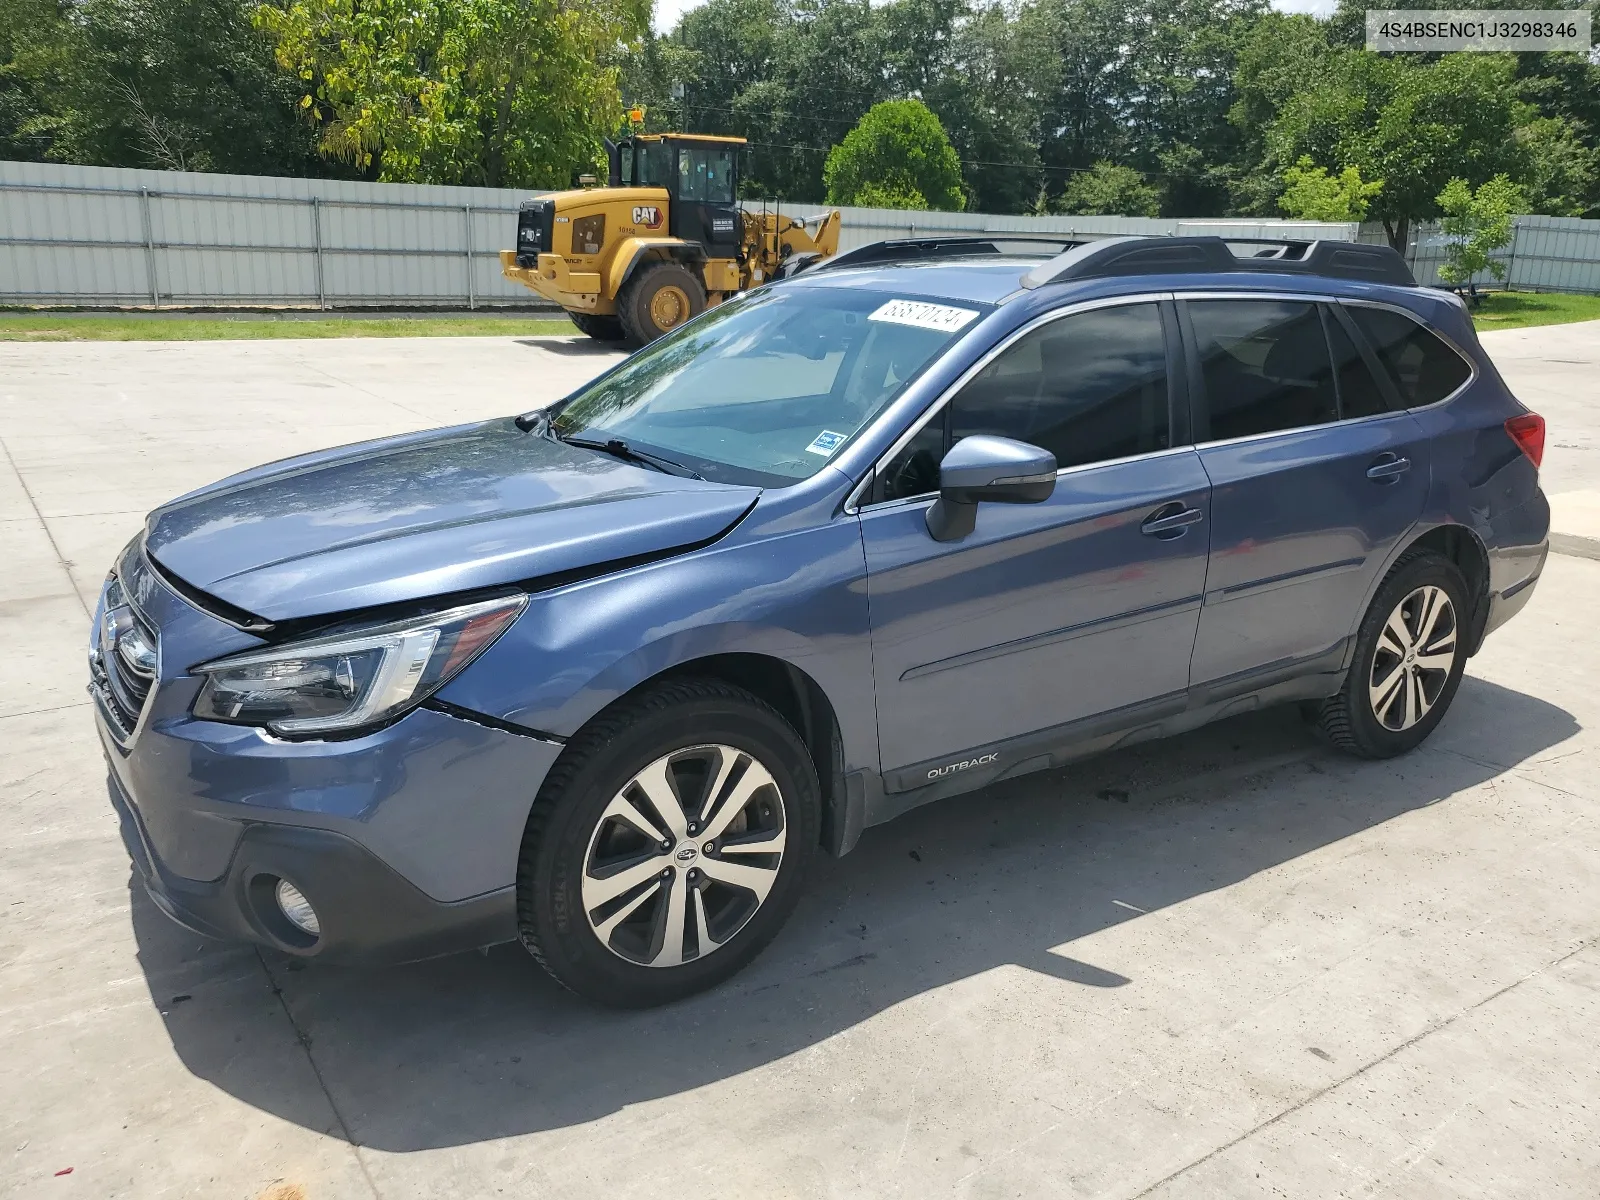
<point>604,678</point>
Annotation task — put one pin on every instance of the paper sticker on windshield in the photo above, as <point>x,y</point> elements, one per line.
<point>825,443</point>
<point>923,315</point>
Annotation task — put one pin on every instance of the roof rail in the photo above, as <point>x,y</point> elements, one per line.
<point>895,250</point>
<point>1196,255</point>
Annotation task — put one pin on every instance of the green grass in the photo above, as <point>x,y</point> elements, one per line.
<point>1517,310</point>
<point>53,327</point>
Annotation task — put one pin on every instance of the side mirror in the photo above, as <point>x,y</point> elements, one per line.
<point>978,468</point>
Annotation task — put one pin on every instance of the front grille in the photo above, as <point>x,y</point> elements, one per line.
<point>122,662</point>
<point>536,224</point>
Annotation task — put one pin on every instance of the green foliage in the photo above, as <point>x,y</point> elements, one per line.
<point>898,149</point>
<point>1311,194</point>
<point>1477,223</point>
<point>1561,175</point>
<point>175,84</point>
<point>489,92</point>
<point>1106,189</point>
<point>1204,104</point>
<point>888,195</point>
<point>1414,126</point>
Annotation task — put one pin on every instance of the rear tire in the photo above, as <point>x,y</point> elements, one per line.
<point>657,298</point>
<point>601,328</point>
<point>635,886</point>
<point>1409,658</point>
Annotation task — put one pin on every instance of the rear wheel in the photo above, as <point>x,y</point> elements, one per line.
<point>602,329</point>
<point>1410,654</point>
<point>668,845</point>
<point>657,299</point>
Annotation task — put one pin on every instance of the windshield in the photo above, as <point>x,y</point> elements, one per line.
<point>767,387</point>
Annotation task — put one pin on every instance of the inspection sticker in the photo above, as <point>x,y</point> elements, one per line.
<point>825,443</point>
<point>924,316</point>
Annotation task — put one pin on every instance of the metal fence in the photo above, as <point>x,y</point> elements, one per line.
<point>1546,254</point>
<point>112,237</point>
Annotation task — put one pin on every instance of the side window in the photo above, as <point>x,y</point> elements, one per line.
<point>915,470</point>
<point>1265,364</point>
<point>1087,388</point>
<point>1359,393</point>
<point>706,176</point>
<point>1422,366</point>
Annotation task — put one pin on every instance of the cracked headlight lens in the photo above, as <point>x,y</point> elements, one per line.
<point>354,677</point>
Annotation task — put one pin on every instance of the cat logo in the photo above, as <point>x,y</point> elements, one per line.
<point>647,215</point>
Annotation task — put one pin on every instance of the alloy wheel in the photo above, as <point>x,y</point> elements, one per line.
<point>684,855</point>
<point>1415,653</point>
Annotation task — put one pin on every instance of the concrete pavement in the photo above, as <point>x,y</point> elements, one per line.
<point>1232,964</point>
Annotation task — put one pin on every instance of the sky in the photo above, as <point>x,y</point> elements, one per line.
<point>668,11</point>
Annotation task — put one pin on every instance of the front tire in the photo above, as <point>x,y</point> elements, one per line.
<point>668,844</point>
<point>1410,655</point>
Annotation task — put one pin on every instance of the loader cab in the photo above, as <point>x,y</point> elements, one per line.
<point>701,176</point>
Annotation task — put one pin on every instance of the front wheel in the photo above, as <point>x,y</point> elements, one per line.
<point>1410,654</point>
<point>668,844</point>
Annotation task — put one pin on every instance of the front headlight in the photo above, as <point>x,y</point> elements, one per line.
<point>354,677</point>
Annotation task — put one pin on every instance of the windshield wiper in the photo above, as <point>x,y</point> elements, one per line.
<point>618,448</point>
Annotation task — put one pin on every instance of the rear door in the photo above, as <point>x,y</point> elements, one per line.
<point>1314,482</point>
<point>1047,614</point>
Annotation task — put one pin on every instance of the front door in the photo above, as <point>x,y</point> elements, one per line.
<point>703,204</point>
<point>1049,613</point>
<point>1314,482</point>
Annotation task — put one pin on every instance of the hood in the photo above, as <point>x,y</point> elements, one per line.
<point>424,515</point>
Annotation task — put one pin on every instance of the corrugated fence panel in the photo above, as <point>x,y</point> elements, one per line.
<point>116,237</point>
<point>1546,254</point>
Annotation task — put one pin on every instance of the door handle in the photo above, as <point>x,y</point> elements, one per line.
<point>1388,468</point>
<point>1170,520</point>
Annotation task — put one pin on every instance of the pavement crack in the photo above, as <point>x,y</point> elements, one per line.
<point>304,1039</point>
<point>1427,1032</point>
<point>61,559</point>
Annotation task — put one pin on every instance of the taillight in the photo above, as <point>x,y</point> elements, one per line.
<point>1527,431</point>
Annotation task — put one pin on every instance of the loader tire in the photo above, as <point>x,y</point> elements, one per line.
<point>658,298</point>
<point>601,329</point>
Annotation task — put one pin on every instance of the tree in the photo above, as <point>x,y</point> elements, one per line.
<point>889,195</point>
<point>1109,190</point>
<point>897,148</point>
<point>495,93</point>
<point>1477,224</point>
<point>1561,175</point>
<point>1412,126</point>
<point>1311,194</point>
<point>174,84</point>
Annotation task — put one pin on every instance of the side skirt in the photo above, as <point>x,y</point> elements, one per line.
<point>1280,683</point>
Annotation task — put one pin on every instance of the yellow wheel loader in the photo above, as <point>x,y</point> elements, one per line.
<point>665,238</point>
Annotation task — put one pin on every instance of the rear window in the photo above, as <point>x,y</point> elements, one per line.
<point>1424,369</point>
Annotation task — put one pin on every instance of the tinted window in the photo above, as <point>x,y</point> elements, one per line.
<point>1086,388</point>
<point>706,176</point>
<point>914,471</point>
<point>652,164</point>
<point>1265,364</point>
<point>1359,393</point>
<point>1422,366</point>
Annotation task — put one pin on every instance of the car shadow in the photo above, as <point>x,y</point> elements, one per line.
<point>481,1046</point>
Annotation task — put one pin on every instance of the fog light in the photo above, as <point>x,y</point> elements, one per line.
<point>298,909</point>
